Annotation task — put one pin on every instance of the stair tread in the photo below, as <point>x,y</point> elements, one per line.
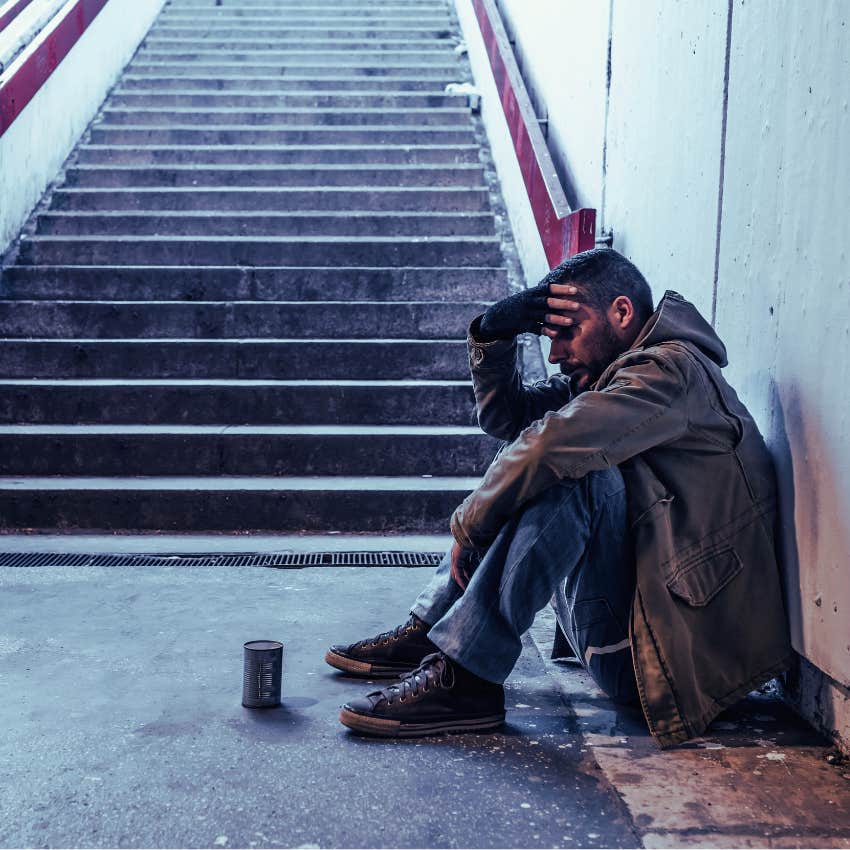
<point>238,430</point>
<point>241,482</point>
<point>310,168</point>
<point>186,543</point>
<point>300,239</point>
<point>229,382</point>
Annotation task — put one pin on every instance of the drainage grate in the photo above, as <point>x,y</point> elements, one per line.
<point>278,559</point>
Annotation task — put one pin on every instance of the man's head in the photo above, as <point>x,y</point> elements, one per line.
<point>615,302</point>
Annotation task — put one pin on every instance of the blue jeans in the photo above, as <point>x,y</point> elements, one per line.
<point>570,545</point>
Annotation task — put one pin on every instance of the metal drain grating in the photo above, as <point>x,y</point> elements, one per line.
<point>281,560</point>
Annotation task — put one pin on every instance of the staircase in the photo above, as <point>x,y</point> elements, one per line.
<point>243,305</point>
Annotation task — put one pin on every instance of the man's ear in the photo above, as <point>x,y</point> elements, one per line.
<point>622,313</point>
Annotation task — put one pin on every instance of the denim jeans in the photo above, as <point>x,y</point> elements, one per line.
<point>570,545</point>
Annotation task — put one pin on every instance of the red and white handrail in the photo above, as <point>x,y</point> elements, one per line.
<point>563,232</point>
<point>33,66</point>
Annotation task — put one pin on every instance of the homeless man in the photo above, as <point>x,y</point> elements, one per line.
<point>634,491</point>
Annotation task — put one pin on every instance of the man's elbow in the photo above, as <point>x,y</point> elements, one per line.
<point>501,429</point>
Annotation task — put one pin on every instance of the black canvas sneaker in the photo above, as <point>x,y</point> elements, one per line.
<point>387,655</point>
<point>439,696</point>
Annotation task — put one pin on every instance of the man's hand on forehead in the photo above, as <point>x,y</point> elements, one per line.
<point>543,309</point>
<point>565,309</point>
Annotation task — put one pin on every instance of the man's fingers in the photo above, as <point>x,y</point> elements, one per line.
<point>562,304</point>
<point>562,289</point>
<point>457,577</point>
<point>558,319</point>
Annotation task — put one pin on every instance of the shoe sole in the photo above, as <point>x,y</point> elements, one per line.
<point>382,727</point>
<point>361,668</point>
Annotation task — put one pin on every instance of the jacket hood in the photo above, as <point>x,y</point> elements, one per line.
<point>678,319</point>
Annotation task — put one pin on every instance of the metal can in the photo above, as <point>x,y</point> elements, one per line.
<point>262,673</point>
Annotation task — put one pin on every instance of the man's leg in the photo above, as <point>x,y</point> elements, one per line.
<point>573,536</point>
<point>569,528</point>
<point>593,606</point>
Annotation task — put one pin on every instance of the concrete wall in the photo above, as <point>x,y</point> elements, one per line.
<point>571,95</point>
<point>719,156</point>
<point>526,238</point>
<point>33,149</point>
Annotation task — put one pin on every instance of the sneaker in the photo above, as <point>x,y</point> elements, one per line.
<point>387,655</point>
<point>439,696</point>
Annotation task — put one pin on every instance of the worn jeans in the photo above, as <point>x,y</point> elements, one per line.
<point>570,545</point>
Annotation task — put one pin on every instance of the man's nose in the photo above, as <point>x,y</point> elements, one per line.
<point>557,351</point>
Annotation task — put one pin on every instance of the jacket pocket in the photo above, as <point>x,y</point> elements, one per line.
<point>699,582</point>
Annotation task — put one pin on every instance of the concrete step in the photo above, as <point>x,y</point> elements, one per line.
<point>253,67</point>
<point>236,319</point>
<point>280,359</point>
<point>276,154</point>
<point>175,503</point>
<point>304,99</point>
<point>220,82</point>
<point>234,176</point>
<point>270,251</point>
<point>236,402</point>
<point>334,59</point>
<point>360,223</point>
<point>292,117</point>
<point>290,135</point>
<point>229,544</point>
<point>310,42</point>
<point>250,283</point>
<point>204,8</point>
<point>316,13</point>
<point>200,450</point>
<point>381,199</point>
<point>276,30</point>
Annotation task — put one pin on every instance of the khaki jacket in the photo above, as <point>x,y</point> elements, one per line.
<point>708,622</point>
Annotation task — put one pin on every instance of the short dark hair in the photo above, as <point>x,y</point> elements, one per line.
<point>603,274</point>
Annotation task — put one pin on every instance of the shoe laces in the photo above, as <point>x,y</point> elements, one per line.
<point>391,635</point>
<point>434,672</point>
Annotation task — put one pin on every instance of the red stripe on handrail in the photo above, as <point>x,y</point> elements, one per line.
<point>10,14</point>
<point>562,232</point>
<point>28,77</point>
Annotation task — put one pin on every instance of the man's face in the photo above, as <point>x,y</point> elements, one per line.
<point>586,348</point>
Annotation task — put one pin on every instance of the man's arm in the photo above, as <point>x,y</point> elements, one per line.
<point>644,406</point>
<point>503,403</point>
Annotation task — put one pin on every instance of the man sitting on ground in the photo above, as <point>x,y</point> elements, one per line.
<point>634,491</point>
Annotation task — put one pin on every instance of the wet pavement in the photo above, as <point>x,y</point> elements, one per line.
<point>122,727</point>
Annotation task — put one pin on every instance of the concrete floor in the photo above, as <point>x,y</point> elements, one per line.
<point>122,727</point>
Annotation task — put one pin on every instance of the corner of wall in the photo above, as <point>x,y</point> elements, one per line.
<point>819,700</point>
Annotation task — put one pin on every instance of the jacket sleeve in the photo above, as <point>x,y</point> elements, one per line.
<point>644,405</point>
<point>503,403</point>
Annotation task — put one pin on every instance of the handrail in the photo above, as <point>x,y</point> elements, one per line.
<point>10,10</point>
<point>30,69</point>
<point>24,30</point>
<point>563,231</point>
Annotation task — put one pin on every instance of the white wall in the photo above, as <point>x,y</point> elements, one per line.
<point>783,279</point>
<point>784,287</point>
<point>565,68</point>
<point>526,238</point>
<point>34,147</point>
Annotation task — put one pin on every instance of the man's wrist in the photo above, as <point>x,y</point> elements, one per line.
<point>480,336</point>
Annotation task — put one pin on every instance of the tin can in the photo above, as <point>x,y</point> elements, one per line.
<point>262,673</point>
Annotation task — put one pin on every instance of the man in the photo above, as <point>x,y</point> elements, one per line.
<point>634,490</point>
